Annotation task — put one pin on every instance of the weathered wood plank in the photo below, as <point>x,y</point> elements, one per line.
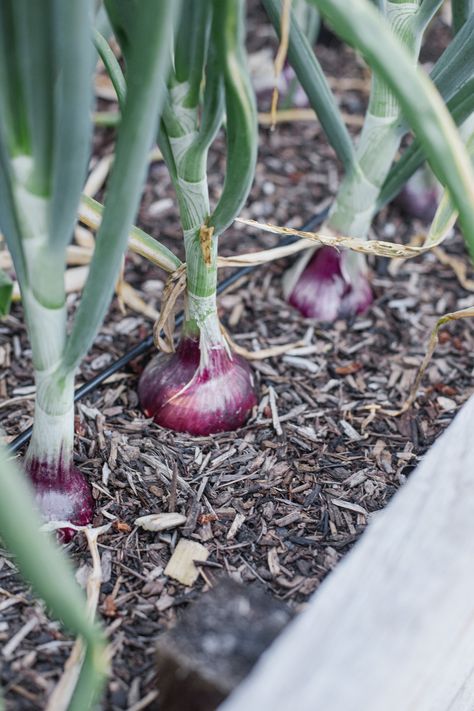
<point>392,628</point>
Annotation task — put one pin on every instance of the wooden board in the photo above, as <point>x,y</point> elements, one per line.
<point>392,628</point>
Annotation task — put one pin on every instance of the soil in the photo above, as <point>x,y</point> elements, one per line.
<point>301,480</point>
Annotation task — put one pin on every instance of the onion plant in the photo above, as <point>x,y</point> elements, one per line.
<point>203,387</point>
<point>325,284</point>
<point>47,569</point>
<point>47,62</point>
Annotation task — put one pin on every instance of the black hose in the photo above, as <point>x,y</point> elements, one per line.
<point>147,344</point>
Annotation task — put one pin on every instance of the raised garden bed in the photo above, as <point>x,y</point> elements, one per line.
<point>284,498</point>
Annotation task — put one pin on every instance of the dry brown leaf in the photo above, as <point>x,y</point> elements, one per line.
<point>331,239</point>
<point>174,286</point>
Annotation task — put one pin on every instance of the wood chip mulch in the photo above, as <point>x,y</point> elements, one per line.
<point>284,498</point>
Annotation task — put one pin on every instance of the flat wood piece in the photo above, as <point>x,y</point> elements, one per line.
<point>160,521</point>
<point>392,627</point>
<point>181,564</point>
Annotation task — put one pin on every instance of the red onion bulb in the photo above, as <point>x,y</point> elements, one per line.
<point>62,493</point>
<point>185,395</point>
<point>331,286</point>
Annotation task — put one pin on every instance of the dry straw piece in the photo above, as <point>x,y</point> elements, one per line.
<point>281,56</point>
<point>379,248</point>
<point>175,285</point>
<point>432,343</point>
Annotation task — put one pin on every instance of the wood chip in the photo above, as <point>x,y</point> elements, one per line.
<point>350,506</point>
<point>181,564</point>
<point>447,404</point>
<point>350,431</point>
<point>274,410</point>
<point>160,521</point>
<point>273,562</point>
<point>18,638</point>
<point>288,519</point>
<point>236,524</point>
<point>303,363</point>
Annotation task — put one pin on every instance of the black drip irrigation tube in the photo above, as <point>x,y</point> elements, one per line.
<point>147,344</point>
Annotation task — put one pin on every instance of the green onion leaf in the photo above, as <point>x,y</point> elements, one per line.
<point>461,106</point>
<point>148,51</point>
<point>312,79</point>
<point>461,10</point>
<point>112,66</point>
<point>241,126</point>
<point>363,27</point>
<point>6,290</point>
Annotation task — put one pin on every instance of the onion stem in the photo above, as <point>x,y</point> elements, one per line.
<point>356,201</point>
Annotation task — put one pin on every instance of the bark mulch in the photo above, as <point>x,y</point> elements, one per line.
<point>284,498</point>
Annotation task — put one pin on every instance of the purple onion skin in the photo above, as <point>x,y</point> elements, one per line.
<point>219,398</point>
<point>62,494</point>
<point>421,204</point>
<point>324,293</point>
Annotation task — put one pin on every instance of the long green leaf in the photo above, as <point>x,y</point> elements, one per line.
<point>9,223</point>
<point>36,30</point>
<point>74,60</point>
<point>112,66</point>
<point>6,290</point>
<point>52,68</point>
<point>462,10</point>
<point>212,113</point>
<point>12,103</point>
<point>427,11</point>
<point>363,27</point>
<point>312,79</point>
<point>456,65</point>
<point>148,53</point>
<point>446,214</point>
<point>461,107</point>
<point>191,46</point>
<point>241,127</point>
<point>91,211</point>
<point>47,569</point>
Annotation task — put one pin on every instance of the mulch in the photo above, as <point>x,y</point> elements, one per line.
<point>283,499</point>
